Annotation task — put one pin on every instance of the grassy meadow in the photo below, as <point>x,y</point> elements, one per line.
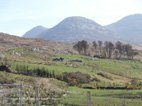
<point>108,72</point>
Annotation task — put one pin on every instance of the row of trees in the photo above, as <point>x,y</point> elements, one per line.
<point>36,71</point>
<point>106,49</point>
<point>72,78</point>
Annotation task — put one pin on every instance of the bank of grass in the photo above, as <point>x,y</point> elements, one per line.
<point>77,97</point>
<point>128,68</point>
<point>89,65</point>
<point>10,78</point>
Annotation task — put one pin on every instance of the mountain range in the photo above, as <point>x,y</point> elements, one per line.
<point>128,28</point>
<point>72,29</point>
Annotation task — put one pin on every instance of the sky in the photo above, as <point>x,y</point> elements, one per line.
<point>19,16</point>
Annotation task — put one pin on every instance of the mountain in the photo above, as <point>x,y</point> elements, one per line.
<point>35,32</point>
<point>76,28</point>
<point>128,28</point>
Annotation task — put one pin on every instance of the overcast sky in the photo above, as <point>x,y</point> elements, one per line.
<point>18,16</point>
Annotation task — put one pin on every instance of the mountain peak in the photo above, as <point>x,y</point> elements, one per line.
<point>78,21</point>
<point>134,16</point>
<point>34,32</point>
<point>77,28</point>
<point>129,28</point>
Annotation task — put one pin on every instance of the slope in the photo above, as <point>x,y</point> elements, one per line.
<point>77,28</point>
<point>35,32</point>
<point>129,28</point>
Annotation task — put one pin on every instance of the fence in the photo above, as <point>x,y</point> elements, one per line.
<point>14,95</point>
<point>8,90</point>
<point>25,95</point>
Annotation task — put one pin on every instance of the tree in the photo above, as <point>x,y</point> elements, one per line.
<point>116,53</point>
<point>131,54</point>
<point>100,43</point>
<point>85,46</point>
<point>77,47</point>
<point>81,47</point>
<point>94,44</point>
<point>119,47</point>
<point>109,47</point>
<point>127,50</point>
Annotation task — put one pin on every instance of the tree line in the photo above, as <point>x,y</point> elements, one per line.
<point>107,49</point>
<point>36,71</point>
<point>72,78</point>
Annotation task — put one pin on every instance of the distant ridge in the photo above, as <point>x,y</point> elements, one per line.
<point>35,32</point>
<point>76,28</point>
<point>128,28</point>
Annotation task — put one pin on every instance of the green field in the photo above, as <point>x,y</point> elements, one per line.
<point>113,72</point>
<point>90,65</point>
<point>118,71</point>
<point>77,97</point>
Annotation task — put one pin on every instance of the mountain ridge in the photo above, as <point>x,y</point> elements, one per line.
<point>128,28</point>
<point>35,32</point>
<point>77,28</point>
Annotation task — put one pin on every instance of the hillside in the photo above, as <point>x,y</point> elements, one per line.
<point>33,52</point>
<point>34,65</point>
<point>10,41</point>
<point>75,28</point>
<point>128,28</point>
<point>35,32</point>
<point>37,51</point>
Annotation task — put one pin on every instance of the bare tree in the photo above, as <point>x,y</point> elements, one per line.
<point>119,47</point>
<point>77,47</point>
<point>100,44</point>
<point>81,47</point>
<point>131,54</point>
<point>94,44</point>
<point>108,47</point>
<point>116,53</point>
<point>127,49</point>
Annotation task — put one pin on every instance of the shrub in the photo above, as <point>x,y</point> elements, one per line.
<point>76,78</point>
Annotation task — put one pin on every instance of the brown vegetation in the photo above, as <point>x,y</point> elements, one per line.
<point>76,78</point>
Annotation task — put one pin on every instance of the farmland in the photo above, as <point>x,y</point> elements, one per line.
<point>111,82</point>
<point>108,72</point>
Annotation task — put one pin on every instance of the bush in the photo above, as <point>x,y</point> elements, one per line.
<point>76,78</point>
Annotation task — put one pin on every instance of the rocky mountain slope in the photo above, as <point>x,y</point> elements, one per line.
<point>35,32</point>
<point>128,28</point>
<point>73,29</point>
